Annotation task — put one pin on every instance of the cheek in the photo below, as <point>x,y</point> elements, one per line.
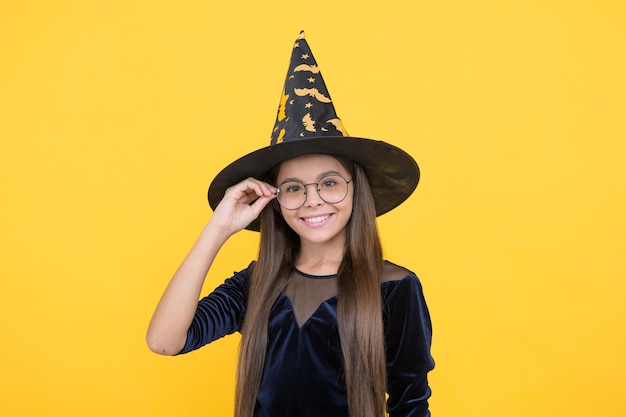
<point>348,211</point>
<point>345,209</point>
<point>289,217</point>
<point>349,201</point>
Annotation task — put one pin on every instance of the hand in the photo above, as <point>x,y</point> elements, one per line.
<point>242,204</point>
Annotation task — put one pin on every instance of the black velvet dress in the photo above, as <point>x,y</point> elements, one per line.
<point>303,373</point>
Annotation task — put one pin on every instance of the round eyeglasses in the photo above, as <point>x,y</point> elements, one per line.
<point>332,189</point>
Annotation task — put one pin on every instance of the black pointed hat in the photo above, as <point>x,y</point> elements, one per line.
<point>307,123</point>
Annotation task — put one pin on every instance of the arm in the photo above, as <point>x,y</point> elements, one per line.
<point>241,204</point>
<point>408,334</point>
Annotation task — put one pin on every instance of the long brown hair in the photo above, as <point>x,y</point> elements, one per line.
<point>359,309</point>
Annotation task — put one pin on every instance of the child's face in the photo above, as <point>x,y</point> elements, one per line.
<point>317,221</point>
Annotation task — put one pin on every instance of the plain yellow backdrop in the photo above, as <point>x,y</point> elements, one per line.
<point>116,115</point>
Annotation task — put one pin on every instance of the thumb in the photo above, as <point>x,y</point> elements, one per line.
<point>259,204</point>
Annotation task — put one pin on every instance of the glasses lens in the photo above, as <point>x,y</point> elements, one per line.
<point>291,195</point>
<point>332,189</point>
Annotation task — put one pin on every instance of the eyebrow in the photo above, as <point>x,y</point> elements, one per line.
<point>322,175</point>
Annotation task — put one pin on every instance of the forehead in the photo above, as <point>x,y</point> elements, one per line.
<point>310,167</point>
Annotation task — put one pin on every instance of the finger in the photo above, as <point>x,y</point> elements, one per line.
<point>260,203</point>
<point>261,187</point>
<point>252,188</point>
<point>243,192</point>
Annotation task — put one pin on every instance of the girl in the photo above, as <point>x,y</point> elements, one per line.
<point>328,327</point>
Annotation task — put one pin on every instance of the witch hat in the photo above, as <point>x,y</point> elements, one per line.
<point>306,123</point>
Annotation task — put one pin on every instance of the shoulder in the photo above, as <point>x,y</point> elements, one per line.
<point>240,280</point>
<point>404,305</point>
<point>399,282</point>
<point>393,272</point>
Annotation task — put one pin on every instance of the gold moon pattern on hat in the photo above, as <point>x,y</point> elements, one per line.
<point>305,109</point>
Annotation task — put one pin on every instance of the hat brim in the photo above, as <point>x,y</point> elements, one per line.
<point>391,172</point>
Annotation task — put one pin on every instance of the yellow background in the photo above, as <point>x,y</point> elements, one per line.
<point>116,115</point>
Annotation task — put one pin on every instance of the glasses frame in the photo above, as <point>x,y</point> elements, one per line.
<point>317,189</point>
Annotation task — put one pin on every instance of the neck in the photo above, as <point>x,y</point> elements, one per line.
<point>320,258</point>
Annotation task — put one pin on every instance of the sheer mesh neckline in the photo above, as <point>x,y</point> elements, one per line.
<point>305,275</point>
<point>307,293</point>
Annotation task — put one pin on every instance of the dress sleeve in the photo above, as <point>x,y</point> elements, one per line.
<point>408,334</point>
<point>219,313</point>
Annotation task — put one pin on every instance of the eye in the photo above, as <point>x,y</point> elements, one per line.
<point>328,183</point>
<point>291,188</point>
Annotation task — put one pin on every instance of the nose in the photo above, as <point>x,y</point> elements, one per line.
<point>312,197</point>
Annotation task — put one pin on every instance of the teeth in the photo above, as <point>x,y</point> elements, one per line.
<point>318,219</point>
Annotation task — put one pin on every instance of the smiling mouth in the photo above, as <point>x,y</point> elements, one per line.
<point>316,219</point>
